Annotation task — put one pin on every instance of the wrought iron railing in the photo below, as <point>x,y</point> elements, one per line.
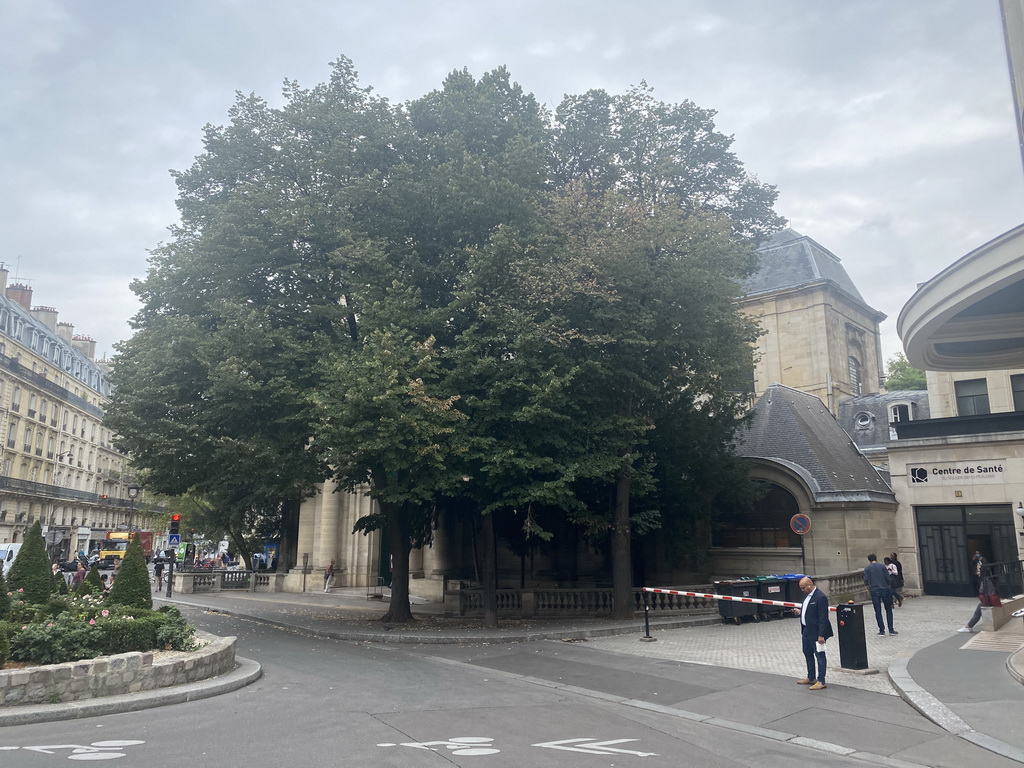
<point>1007,576</point>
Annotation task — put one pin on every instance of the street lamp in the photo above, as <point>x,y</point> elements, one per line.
<point>133,494</point>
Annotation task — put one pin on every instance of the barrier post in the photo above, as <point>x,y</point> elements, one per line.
<point>647,620</point>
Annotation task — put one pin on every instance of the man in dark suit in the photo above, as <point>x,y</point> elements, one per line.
<point>815,630</point>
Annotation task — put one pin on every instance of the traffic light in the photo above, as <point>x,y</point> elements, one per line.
<point>175,524</point>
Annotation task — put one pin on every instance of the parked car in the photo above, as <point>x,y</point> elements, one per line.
<point>8,552</point>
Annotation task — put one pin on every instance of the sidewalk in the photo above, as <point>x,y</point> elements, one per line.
<point>969,684</point>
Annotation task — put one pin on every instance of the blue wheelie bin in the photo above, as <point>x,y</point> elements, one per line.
<point>732,610</point>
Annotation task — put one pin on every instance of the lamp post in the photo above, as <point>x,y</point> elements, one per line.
<point>133,494</point>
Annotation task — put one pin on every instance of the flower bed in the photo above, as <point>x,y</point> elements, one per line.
<point>74,627</point>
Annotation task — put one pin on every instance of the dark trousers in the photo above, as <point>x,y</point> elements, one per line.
<point>809,641</point>
<point>880,597</point>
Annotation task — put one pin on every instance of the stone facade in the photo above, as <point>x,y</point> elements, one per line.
<point>112,675</point>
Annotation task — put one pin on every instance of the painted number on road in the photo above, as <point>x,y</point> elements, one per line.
<point>98,750</point>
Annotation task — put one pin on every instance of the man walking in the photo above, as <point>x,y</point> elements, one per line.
<point>815,629</point>
<point>876,576</point>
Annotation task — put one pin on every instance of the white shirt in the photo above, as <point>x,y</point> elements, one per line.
<point>803,609</point>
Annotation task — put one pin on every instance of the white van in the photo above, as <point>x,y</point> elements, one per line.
<point>8,552</point>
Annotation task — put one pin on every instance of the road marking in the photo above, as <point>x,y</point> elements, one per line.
<point>98,750</point>
<point>459,745</point>
<point>594,747</point>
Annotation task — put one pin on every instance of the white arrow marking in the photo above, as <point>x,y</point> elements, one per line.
<point>594,747</point>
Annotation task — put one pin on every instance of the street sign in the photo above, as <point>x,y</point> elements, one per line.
<point>800,524</point>
<point>174,540</point>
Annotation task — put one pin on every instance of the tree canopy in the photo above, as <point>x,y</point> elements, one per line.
<point>462,303</point>
<point>900,374</point>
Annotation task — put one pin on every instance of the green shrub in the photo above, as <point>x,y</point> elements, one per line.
<point>126,633</point>
<point>5,598</point>
<point>61,583</point>
<point>30,574</point>
<point>6,630</point>
<point>131,588</point>
<point>92,584</point>
<point>65,638</point>
<point>175,634</point>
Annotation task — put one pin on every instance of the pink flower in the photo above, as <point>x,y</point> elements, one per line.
<point>21,589</point>
<point>50,624</point>
<point>92,621</point>
<point>104,613</point>
<point>24,626</point>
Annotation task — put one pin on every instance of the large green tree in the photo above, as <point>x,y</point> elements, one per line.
<point>211,392</point>
<point>900,374</point>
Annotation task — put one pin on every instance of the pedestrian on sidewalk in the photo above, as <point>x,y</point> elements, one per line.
<point>987,596</point>
<point>876,576</point>
<point>895,581</point>
<point>329,577</point>
<point>158,572</point>
<point>815,630</point>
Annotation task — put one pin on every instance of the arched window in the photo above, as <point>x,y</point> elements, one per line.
<point>767,525</point>
<point>854,375</point>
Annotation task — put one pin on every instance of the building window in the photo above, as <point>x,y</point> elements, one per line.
<point>766,525</point>
<point>972,397</point>
<point>16,399</point>
<point>854,375</point>
<point>899,413</point>
<point>1017,387</point>
<point>863,420</point>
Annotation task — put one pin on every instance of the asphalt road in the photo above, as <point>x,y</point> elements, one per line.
<point>332,703</point>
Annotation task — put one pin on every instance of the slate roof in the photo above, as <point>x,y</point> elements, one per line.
<point>789,260</point>
<point>796,430</point>
<point>872,430</point>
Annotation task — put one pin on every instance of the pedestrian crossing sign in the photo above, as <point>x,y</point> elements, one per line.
<point>174,540</point>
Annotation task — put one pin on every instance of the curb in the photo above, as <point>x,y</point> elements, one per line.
<point>943,716</point>
<point>246,671</point>
<point>494,636</point>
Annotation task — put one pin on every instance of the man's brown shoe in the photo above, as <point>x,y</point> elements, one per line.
<point>817,687</point>
<point>805,681</point>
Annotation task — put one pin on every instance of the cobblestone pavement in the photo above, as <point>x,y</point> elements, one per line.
<point>774,646</point>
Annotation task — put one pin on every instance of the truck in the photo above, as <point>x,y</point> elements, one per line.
<point>116,543</point>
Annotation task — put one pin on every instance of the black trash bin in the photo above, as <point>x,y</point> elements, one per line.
<point>733,610</point>
<point>853,647</point>
<point>791,587</point>
<point>771,588</point>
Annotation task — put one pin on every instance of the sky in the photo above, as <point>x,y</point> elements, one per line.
<point>887,127</point>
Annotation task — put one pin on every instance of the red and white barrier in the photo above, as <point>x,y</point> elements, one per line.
<point>756,600</point>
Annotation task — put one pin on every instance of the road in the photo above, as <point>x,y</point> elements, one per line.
<point>332,703</point>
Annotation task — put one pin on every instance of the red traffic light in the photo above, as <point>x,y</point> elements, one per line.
<point>175,518</point>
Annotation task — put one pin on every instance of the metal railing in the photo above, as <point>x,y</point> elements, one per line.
<point>1008,577</point>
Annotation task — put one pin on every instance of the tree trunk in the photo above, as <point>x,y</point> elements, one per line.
<point>490,571</point>
<point>397,531</point>
<point>288,551</point>
<point>622,577</point>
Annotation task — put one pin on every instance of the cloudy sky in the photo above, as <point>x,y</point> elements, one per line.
<point>887,126</point>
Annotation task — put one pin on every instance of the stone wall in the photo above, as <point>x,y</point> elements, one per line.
<point>112,675</point>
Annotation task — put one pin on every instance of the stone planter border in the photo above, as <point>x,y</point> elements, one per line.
<point>112,675</point>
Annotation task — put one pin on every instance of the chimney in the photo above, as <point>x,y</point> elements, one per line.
<point>3,277</point>
<point>46,315</point>
<point>66,331</point>
<point>20,293</point>
<point>86,345</point>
